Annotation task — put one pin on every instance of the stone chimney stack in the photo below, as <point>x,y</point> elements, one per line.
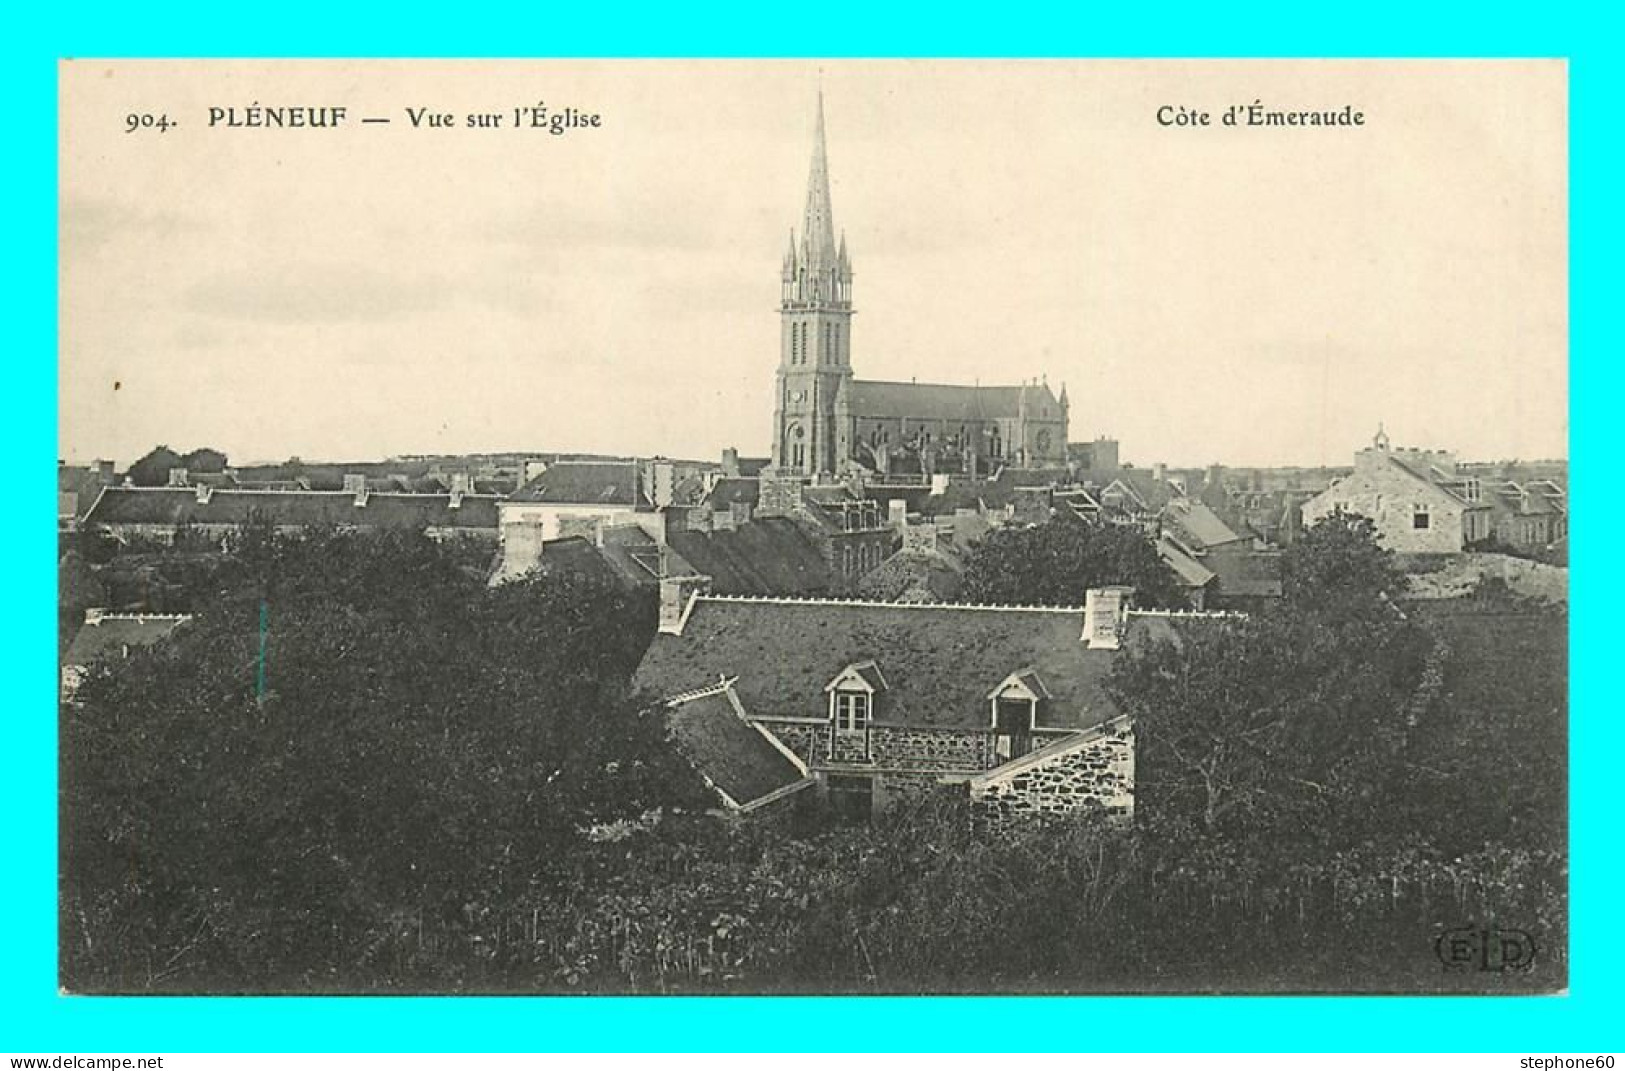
<point>897,513</point>
<point>204,493</point>
<point>522,544</point>
<point>730,463</point>
<point>355,483</point>
<point>675,594</point>
<point>461,484</point>
<point>1159,472</point>
<point>178,478</point>
<point>1105,615</point>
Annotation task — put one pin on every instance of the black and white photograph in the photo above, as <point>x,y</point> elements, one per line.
<point>846,527</point>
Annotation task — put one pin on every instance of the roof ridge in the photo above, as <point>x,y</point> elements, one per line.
<point>794,600</point>
<point>100,618</point>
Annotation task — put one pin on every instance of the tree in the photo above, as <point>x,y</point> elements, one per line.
<point>354,736</point>
<point>152,470</point>
<point>1281,724</point>
<point>1339,566</point>
<point>1055,563</point>
<point>204,459</point>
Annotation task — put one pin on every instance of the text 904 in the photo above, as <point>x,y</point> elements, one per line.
<point>147,121</point>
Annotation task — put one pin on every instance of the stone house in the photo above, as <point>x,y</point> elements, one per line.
<point>1419,501</point>
<point>1530,516</point>
<point>881,701</point>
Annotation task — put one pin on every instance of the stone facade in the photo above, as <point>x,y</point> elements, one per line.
<point>1412,496</point>
<point>903,762</point>
<point>1098,770</point>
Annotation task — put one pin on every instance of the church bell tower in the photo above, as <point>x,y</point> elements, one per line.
<point>815,336</point>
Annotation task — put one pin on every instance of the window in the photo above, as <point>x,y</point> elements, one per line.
<point>851,712</point>
<point>846,560</point>
<point>1420,518</point>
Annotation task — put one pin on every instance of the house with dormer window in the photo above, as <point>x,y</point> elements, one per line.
<point>882,701</point>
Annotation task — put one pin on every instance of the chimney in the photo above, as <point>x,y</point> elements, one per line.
<point>741,512</point>
<point>897,513</point>
<point>1105,613</point>
<point>355,484</point>
<point>660,482</point>
<point>522,544</point>
<point>939,483</point>
<point>104,472</point>
<point>204,493</point>
<point>723,520</point>
<point>1159,472</point>
<point>730,463</point>
<point>676,592</point>
<point>533,469</point>
<point>177,478</point>
<point>93,615</point>
<point>461,484</point>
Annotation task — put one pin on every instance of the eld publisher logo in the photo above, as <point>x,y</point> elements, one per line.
<point>1468,948</point>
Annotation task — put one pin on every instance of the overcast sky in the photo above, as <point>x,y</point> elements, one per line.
<point>1251,296</point>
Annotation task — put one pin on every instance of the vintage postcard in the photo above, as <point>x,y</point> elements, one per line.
<point>846,527</point>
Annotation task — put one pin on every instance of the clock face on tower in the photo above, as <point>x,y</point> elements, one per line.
<point>798,395</point>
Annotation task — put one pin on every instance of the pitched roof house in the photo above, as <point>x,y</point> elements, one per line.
<point>160,512</point>
<point>1418,500</point>
<point>880,701</point>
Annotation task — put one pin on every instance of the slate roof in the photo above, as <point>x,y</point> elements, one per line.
<point>735,756</point>
<point>944,401</point>
<point>1191,572</point>
<point>586,483</point>
<point>731,489</point>
<point>767,556</point>
<point>108,637</point>
<point>179,505</point>
<point>1144,485</point>
<point>574,554</point>
<point>915,575</point>
<point>940,662</point>
<point>753,466</point>
<point>1203,527</point>
<point>1255,574</point>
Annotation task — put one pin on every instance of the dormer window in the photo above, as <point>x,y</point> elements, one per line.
<point>1015,705</point>
<point>853,696</point>
<point>852,711</point>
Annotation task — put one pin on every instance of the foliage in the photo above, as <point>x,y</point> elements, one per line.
<point>419,745</point>
<point>1283,725</point>
<point>152,469</point>
<point>448,788</point>
<point>78,589</point>
<point>1055,563</point>
<point>1337,567</point>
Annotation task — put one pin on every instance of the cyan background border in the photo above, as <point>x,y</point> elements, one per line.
<point>34,1018</point>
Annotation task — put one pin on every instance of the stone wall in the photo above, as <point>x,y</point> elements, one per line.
<point>961,750</point>
<point>1098,773</point>
<point>929,751</point>
<point>1461,576</point>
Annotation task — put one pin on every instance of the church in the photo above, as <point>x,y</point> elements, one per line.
<point>827,423</point>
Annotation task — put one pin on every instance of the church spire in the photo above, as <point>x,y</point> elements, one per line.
<point>818,225</point>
